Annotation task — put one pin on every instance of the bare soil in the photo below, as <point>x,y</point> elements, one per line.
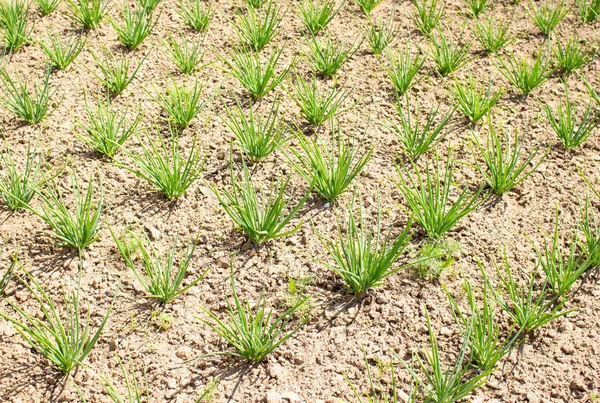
<point>560,364</point>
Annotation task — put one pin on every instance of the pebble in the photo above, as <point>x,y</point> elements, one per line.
<point>445,331</point>
<point>291,397</point>
<point>273,397</point>
<point>567,349</point>
<point>184,352</point>
<point>276,371</point>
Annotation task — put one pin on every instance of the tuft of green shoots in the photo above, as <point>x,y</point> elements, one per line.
<point>253,332</point>
<point>481,330</point>
<point>259,78</point>
<point>62,337</point>
<point>62,54</point>
<point>46,6</point>
<point>256,137</point>
<point>571,56</point>
<point>571,132</point>
<point>588,10</point>
<point>115,73</point>
<point>504,167</point>
<point>524,75</point>
<point>428,197</point>
<point>547,15</point>
<point>18,182</point>
<point>450,385</point>
<point>186,55</point>
<point>260,216</point>
<point>31,106</point>
<point>8,274</point>
<point>148,5</point>
<point>589,247</point>
<point>562,270</point>
<point>381,33</point>
<point>317,14</point>
<point>429,13</point>
<point>137,392</point>
<point>255,3</point>
<point>75,224</point>
<point>15,32</point>
<point>493,34</point>
<point>417,136</point>
<point>403,68</point>
<point>196,13</point>
<point>448,55</point>
<point>87,13</point>
<point>318,105</point>
<point>164,167</point>
<point>367,5</point>
<point>181,103</point>
<point>474,102</point>
<point>593,93</point>
<point>161,274</point>
<point>330,166</point>
<point>327,57</point>
<point>107,129</point>
<point>477,7</point>
<point>363,256</point>
<point>137,25</point>
<point>256,28</point>
<point>528,311</point>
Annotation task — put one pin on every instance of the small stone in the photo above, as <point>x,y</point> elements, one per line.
<point>422,329</point>
<point>273,397</point>
<point>567,349</point>
<point>445,331</point>
<point>576,385</point>
<point>291,396</point>
<point>184,352</point>
<point>154,233</point>
<point>403,397</point>
<point>276,371</point>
